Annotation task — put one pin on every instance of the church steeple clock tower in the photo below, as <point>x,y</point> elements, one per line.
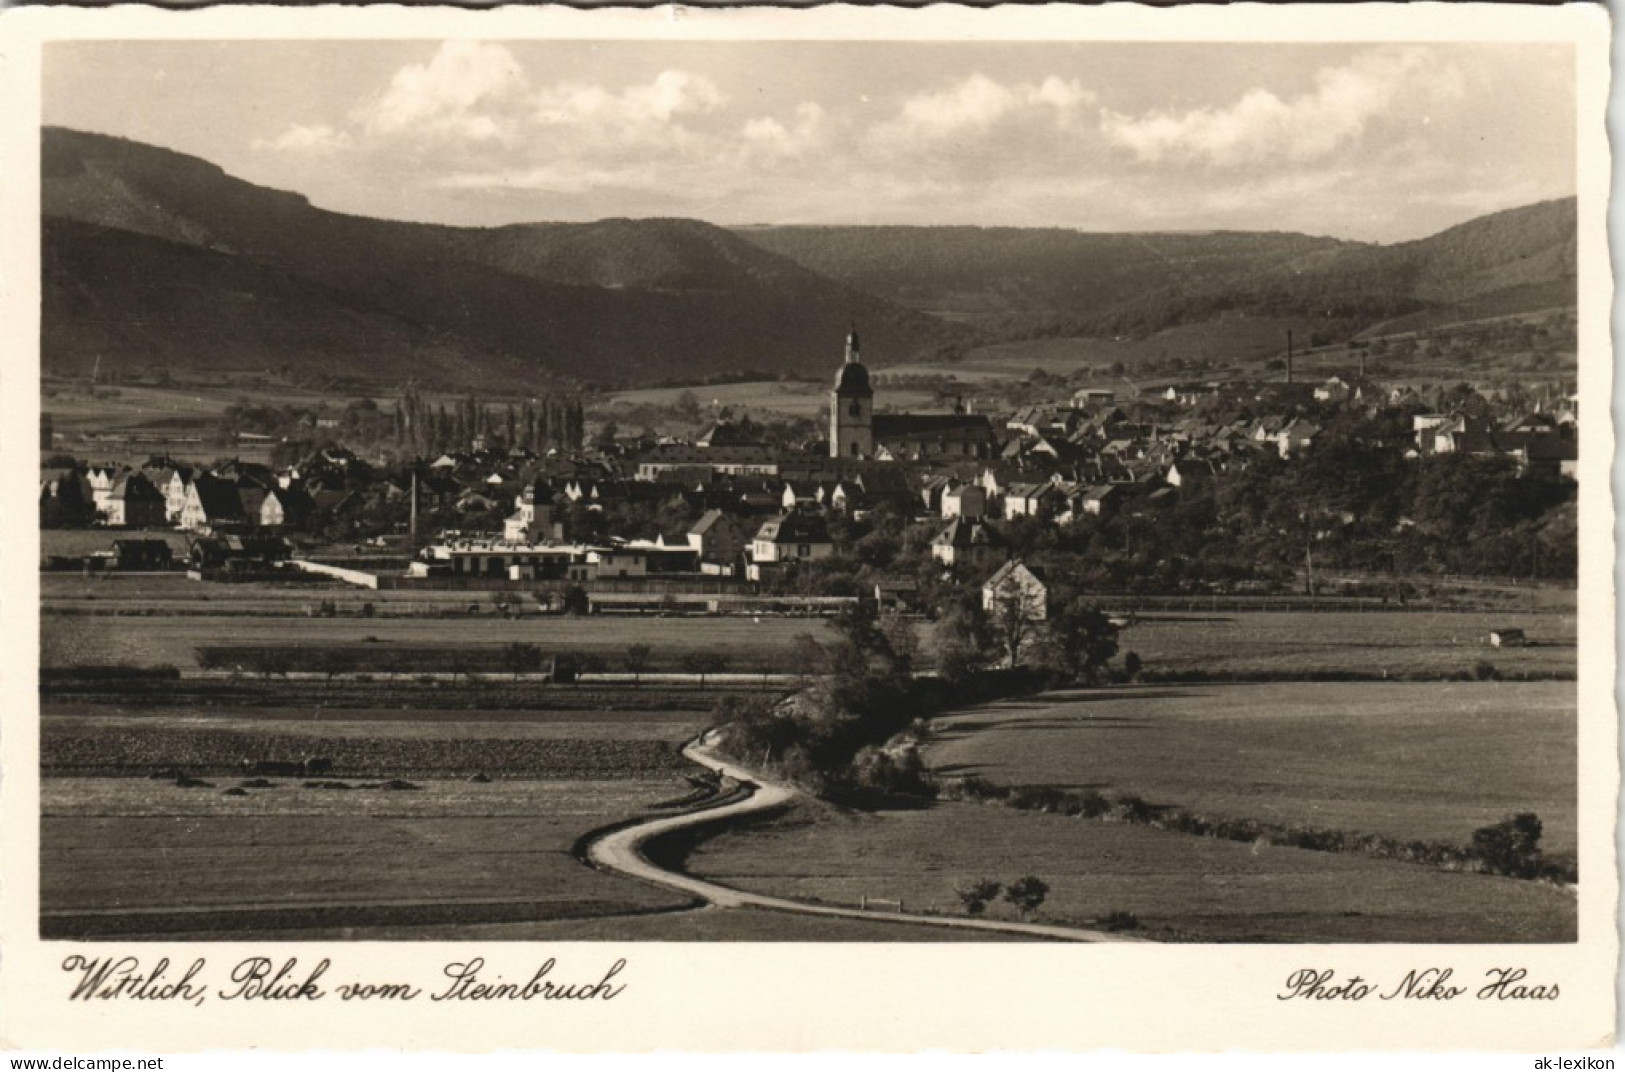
<point>851,407</point>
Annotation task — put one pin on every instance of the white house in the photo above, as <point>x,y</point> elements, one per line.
<point>965,500</point>
<point>1016,589</point>
<point>965,542</point>
<point>787,539</point>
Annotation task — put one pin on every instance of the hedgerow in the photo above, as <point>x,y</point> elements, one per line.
<point>1507,848</point>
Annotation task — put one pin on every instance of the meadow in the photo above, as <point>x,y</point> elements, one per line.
<point>425,816</point>
<point>156,594</point>
<point>154,620</point>
<point>172,640</point>
<point>209,751</point>
<point>338,721</point>
<point>458,859</point>
<point>76,543</point>
<point>192,407</point>
<point>1414,761</point>
<point>1179,888</point>
<point>1228,343</point>
<point>698,925</point>
<point>1420,643</point>
<point>75,407</point>
<point>766,399</point>
<point>125,856</point>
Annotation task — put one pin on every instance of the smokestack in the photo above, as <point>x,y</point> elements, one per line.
<point>414,524</point>
<point>1289,356</point>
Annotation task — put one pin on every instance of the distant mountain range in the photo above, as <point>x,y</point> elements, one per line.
<point>1012,282</point>
<point>159,260</point>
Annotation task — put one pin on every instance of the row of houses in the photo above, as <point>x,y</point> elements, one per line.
<point>1543,444</point>
<point>234,495</point>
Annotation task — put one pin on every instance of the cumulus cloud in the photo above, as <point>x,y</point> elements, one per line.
<point>652,112</point>
<point>478,93</point>
<point>1346,100</point>
<point>563,177</point>
<point>468,89</point>
<point>485,132</point>
<point>769,137</point>
<point>978,104</point>
<point>315,139</point>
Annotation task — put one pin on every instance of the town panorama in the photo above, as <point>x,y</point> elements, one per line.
<point>611,574</point>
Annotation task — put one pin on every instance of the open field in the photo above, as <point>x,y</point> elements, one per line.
<point>156,640</point>
<point>1236,342</point>
<point>1179,887</point>
<point>156,620</point>
<point>123,855</point>
<point>1400,643</point>
<point>693,925</point>
<point>76,543</point>
<point>162,590</point>
<point>669,726</point>
<point>190,407</point>
<point>769,398</point>
<point>74,408</point>
<point>1415,761</point>
<point>145,594</point>
<point>78,749</point>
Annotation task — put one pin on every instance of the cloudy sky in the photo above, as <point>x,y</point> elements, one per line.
<point>1382,143</point>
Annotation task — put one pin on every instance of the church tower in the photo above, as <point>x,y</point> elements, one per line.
<point>852,407</point>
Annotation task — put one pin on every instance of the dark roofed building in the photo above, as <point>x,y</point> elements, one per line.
<point>966,542</point>
<point>684,462</point>
<point>928,436</point>
<point>133,502</point>
<point>239,552</point>
<point>211,503</point>
<point>788,538</point>
<point>142,554</point>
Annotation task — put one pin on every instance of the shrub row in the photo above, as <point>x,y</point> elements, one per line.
<point>375,656</point>
<point>1495,850</point>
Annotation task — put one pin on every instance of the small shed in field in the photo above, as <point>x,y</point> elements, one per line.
<point>1508,638</point>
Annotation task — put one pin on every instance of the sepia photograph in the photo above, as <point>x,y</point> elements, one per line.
<point>816,488</point>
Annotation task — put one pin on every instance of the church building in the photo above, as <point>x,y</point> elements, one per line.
<point>852,407</point>
<point>857,433</point>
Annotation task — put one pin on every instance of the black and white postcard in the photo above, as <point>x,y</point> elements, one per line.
<point>554,523</point>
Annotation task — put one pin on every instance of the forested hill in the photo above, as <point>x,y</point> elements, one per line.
<point>1014,282</point>
<point>214,272</point>
<point>983,271</point>
<point>158,260</point>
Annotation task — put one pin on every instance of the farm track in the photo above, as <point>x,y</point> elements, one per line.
<point>620,849</point>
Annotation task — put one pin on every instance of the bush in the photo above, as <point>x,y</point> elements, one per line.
<point>1027,894</point>
<point>1486,671</point>
<point>893,770</point>
<point>973,789</point>
<point>1511,846</point>
<point>977,894</point>
<point>1045,798</point>
<point>1091,804</point>
<point>1120,921</point>
<point>1132,809</point>
<point>576,601</point>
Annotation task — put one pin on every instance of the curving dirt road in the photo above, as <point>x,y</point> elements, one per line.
<point>621,851</point>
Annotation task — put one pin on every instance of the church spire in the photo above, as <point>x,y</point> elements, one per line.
<point>852,345</point>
